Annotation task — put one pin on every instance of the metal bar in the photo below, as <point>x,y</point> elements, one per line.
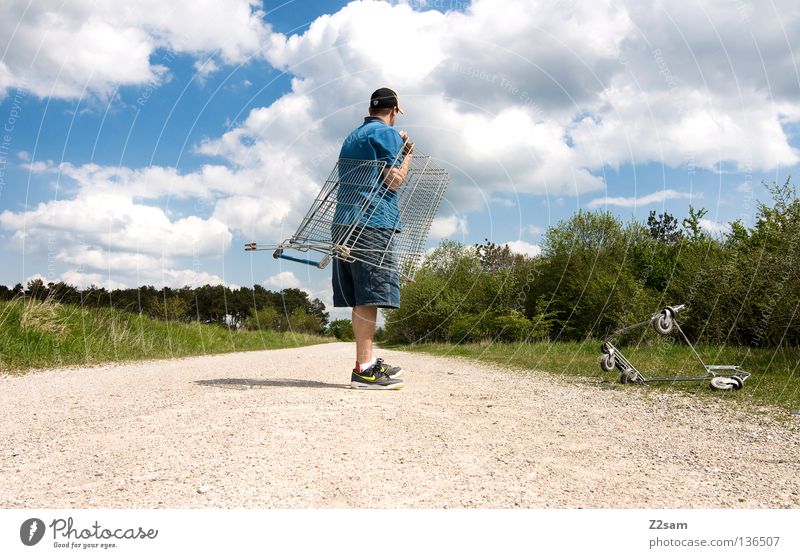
<point>298,260</point>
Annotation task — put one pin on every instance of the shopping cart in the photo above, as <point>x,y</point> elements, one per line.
<point>344,222</point>
<point>721,376</point>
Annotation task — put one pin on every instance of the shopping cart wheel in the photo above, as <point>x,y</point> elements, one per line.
<point>607,362</point>
<point>723,383</point>
<point>737,382</point>
<point>626,377</point>
<point>663,322</point>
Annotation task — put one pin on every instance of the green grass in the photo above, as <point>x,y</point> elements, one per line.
<point>44,334</point>
<point>775,379</point>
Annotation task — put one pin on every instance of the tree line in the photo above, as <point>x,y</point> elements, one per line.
<point>249,308</point>
<point>596,274</point>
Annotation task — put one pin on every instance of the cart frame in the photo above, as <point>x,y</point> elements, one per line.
<point>722,377</point>
<point>343,219</point>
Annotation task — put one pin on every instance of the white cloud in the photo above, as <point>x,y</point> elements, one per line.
<point>524,248</point>
<point>445,227</point>
<point>68,49</point>
<point>714,227</point>
<point>174,278</point>
<point>283,280</point>
<point>84,280</point>
<point>113,221</point>
<point>656,197</point>
<point>205,68</point>
<point>502,202</point>
<point>95,258</point>
<point>534,229</point>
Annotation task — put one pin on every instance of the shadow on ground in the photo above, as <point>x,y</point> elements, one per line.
<point>245,383</point>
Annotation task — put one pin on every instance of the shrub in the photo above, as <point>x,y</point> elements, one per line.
<point>341,330</point>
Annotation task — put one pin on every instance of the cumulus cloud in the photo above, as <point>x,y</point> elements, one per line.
<point>283,280</point>
<point>714,227</point>
<point>656,197</point>
<point>114,221</point>
<point>83,280</point>
<point>445,227</point>
<point>605,83</point>
<point>524,248</point>
<point>174,278</point>
<point>69,49</point>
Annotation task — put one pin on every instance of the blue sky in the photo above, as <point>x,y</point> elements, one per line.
<point>146,145</point>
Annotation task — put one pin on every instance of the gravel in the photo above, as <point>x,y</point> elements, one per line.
<point>279,429</point>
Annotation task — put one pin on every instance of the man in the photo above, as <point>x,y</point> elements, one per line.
<point>365,287</point>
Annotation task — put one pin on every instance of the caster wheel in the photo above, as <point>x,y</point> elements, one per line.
<point>626,377</point>
<point>737,382</point>
<point>723,384</point>
<point>607,362</point>
<point>663,322</point>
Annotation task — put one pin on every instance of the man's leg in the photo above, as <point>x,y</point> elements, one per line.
<point>364,319</point>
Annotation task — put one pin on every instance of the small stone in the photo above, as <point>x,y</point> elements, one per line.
<point>203,489</point>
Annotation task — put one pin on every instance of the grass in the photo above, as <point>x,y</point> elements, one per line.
<point>46,334</point>
<point>775,379</point>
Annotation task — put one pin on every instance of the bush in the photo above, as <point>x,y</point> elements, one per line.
<point>268,318</point>
<point>596,275</point>
<point>341,330</point>
<point>301,321</point>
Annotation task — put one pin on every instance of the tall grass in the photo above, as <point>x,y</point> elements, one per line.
<point>44,334</point>
<point>775,379</point>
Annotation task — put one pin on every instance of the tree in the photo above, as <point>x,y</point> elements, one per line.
<point>692,222</point>
<point>664,228</point>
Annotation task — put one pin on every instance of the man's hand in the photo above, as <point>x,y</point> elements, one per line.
<point>408,146</point>
<point>394,176</point>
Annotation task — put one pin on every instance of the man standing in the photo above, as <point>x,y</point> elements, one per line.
<point>365,287</point>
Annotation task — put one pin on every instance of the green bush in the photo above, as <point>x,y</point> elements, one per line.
<point>341,330</point>
<point>301,321</point>
<point>267,318</point>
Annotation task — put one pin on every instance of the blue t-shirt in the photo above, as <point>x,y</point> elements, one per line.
<point>374,140</point>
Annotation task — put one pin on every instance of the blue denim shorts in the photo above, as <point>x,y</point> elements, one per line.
<point>363,284</point>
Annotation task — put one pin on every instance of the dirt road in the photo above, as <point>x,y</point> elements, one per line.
<point>279,429</point>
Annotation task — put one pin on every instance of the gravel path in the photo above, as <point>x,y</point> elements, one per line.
<point>278,429</point>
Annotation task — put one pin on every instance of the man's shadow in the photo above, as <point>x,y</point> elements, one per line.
<point>245,383</point>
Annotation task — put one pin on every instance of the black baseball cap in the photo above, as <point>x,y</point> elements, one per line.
<point>384,98</point>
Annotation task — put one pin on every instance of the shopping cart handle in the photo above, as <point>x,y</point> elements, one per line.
<point>279,254</point>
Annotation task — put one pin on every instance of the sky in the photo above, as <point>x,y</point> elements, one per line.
<point>145,143</point>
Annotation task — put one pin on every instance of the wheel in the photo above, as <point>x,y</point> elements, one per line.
<point>737,382</point>
<point>663,322</point>
<point>722,383</point>
<point>607,362</point>
<point>626,377</point>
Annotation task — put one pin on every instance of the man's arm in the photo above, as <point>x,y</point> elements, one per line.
<point>393,177</point>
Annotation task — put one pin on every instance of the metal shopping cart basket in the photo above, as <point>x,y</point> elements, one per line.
<point>347,222</point>
<point>721,376</point>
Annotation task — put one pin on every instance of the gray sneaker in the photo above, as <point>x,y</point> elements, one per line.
<point>374,378</point>
<point>388,369</point>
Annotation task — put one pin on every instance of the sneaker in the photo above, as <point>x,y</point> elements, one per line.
<point>374,378</point>
<point>388,369</point>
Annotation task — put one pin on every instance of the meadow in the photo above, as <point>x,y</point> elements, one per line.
<point>48,334</point>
